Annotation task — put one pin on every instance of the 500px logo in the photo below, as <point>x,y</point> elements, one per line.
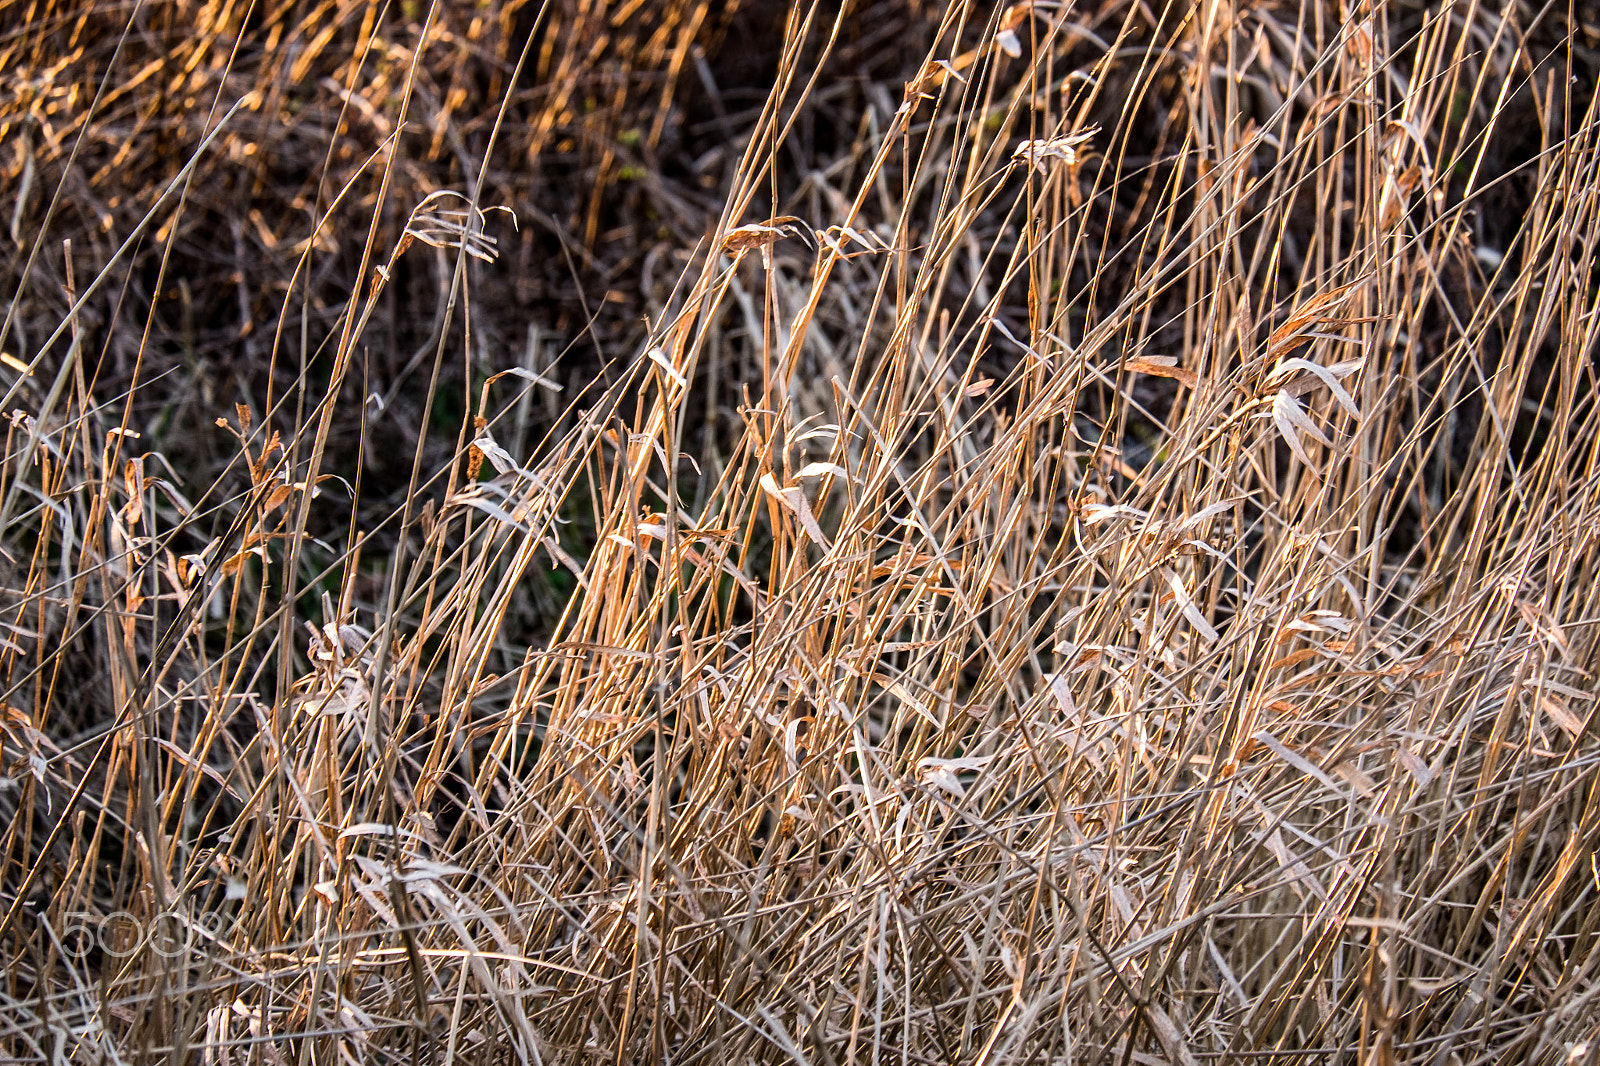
<point>169,934</point>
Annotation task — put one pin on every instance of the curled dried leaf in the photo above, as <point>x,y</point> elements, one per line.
<point>1291,420</point>
<point>1095,513</point>
<point>818,469</point>
<point>1323,307</point>
<point>230,565</point>
<point>660,358</point>
<point>759,234</point>
<point>1040,153</point>
<point>1414,764</point>
<point>1163,366</point>
<point>1396,196</point>
<point>794,499</point>
<point>1358,40</point>
<point>1329,375</point>
<point>475,454</point>
<point>442,227</point>
<point>276,498</point>
<point>1186,604</point>
<point>837,239</point>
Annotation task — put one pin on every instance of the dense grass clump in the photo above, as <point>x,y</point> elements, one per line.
<point>716,532</point>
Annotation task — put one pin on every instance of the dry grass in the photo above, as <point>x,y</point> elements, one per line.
<point>1091,556</point>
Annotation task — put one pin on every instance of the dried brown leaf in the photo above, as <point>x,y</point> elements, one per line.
<point>1163,366</point>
